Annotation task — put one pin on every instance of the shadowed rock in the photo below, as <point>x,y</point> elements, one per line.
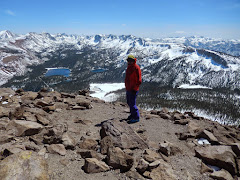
<point>209,136</point>
<point>5,138</point>
<point>164,115</point>
<point>9,149</point>
<point>169,149</point>
<point>42,119</point>
<point>84,92</point>
<point>106,143</point>
<point>154,165</point>
<point>17,113</point>
<point>205,168</point>
<point>182,121</point>
<point>150,155</point>
<point>66,95</point>
<point>134,175</point>
<point>90,154</point>
<point>4,112</point>
<point>236,148</point>
<point>221,175</point>
<point>54,134</point>
<point>89,144</point>
<point>142,166</point>
<point>87,105</point>
<point>119,160</point>
<point>92,165</point>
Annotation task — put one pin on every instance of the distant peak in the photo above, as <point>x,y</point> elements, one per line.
<point>6,34</point>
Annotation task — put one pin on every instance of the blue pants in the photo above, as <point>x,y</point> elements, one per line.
<point>131,101</point>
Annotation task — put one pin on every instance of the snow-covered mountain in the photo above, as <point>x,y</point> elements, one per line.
<point>231,47</point>
<point>168,61</point>
<point>7,35</point>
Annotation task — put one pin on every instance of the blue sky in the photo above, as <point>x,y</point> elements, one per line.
<point>145,18</point>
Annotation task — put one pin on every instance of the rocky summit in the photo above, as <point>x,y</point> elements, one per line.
<point>54,135</point>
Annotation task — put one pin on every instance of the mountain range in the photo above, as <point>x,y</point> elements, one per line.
<point>213,63</point>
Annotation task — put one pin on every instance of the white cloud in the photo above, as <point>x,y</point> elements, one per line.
<point>124,25</point>
<point>9,12</point>
<point>179,32</point>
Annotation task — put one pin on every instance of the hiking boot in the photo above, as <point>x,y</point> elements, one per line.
<point>129,117</point>
<point>133,121</point>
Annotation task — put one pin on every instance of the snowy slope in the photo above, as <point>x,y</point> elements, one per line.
<point>5,35</point>
<point>168,61</point>
<point>105,91</point>
<point>231,47</point>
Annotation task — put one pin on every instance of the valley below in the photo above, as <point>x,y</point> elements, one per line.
<point>63,112</point>
<point>166,64</point>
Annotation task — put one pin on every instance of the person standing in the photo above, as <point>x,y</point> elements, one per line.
<point>133,80</point>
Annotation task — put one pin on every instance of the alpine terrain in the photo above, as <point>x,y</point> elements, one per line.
<point>167,65</point>
<point>53,126</point>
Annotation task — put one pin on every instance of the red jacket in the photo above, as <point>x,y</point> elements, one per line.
<point>133,78</point>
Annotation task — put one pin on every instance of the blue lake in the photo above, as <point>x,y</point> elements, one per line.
<point>58,72</point>
<point>216,64</point>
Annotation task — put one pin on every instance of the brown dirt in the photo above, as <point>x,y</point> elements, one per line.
<point>10,59</point>
<point>156,129</point>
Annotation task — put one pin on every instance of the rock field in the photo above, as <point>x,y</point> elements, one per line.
<point>61,136</point>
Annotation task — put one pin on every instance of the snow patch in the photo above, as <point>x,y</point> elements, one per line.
<point>105,91</point>
<point>215,168</point>
<point>203,141</point>
<point>192,86</point>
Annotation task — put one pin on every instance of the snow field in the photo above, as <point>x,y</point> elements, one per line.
<point>105,91</point>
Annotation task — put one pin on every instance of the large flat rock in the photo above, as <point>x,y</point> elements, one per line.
<point>122,135</point>
<point>25,128</point>
<point>220,156</point>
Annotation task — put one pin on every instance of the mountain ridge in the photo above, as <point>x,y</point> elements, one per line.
<point>192,65</point>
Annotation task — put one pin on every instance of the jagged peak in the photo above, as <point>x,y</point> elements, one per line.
<point>6,34</point>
